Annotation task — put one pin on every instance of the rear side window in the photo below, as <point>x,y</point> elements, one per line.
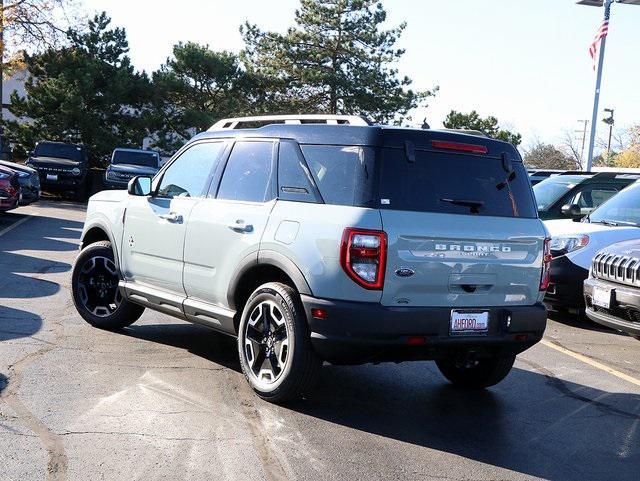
<point>247,176</point>
<point>344,174</point>
<point>454,184</point>
<point>295,181</point>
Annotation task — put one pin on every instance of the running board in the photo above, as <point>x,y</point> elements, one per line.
<point>198,312</point>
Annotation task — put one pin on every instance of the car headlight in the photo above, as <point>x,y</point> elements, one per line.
<point>76,171</point>
<point>562,245</point>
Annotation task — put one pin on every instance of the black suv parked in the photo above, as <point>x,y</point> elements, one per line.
<point>574,194</point>
<point>62,167</point>
<point>612,292</point>
<point>127,163</point>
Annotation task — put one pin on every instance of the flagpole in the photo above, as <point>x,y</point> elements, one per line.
<point>596,99</point>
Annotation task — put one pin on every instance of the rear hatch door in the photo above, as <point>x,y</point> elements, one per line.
<point>462,230</point>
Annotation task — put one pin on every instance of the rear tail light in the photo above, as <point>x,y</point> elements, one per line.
<point>363,256</point>
<point>460,147</point>
<point>546,265</point>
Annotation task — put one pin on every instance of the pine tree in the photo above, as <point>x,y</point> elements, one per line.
<point>336,59</point>
<point>87,92</point>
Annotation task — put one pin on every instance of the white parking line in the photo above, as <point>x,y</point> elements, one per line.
<point>14,225</point>
<point>591,362</point>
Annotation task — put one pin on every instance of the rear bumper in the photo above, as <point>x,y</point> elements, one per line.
<point>63,183</point>
<point>624,312</point>
<point>8,204</point>
<point>356,333</point>
<point>565,289</point>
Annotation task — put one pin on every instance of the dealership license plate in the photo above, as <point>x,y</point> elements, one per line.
<point>469,321</point>
<point>602,297</point>
<point>52,177</point>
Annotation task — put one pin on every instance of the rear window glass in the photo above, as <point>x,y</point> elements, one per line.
<point>143,159</point>
<point>60,151</point>
<point>344,174</point>
<point>454,184</point>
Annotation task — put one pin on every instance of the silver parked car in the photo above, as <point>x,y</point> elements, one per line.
<point>326,238</point>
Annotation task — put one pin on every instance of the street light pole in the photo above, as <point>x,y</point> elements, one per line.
<point>596,99</point>
<point>610,121</point>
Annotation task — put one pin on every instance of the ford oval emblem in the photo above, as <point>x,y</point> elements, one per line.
<point>404,272</point>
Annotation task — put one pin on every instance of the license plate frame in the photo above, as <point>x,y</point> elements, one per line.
<point>602,297</point>
<point>467,322</point>
<point>53,177</point>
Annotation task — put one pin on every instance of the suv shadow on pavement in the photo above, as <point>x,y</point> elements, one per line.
<point>533,423</point>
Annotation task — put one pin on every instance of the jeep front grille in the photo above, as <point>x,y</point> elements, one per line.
<point>616,268</point>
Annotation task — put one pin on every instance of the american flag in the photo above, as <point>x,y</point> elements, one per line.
<point>602,33</point>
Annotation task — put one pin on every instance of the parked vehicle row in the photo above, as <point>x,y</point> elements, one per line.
<point>64,168</point>
<point>587,260</point>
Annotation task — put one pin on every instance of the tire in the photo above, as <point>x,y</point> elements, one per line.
<point>477,374</point>
<point>94,285</point>
<point>278,362</point>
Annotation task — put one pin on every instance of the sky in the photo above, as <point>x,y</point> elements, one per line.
<point>525,62</point>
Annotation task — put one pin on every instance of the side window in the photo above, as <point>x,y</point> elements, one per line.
<point>344,174</point>
<point>188,175</point>
<point>295,181</point>
<point>247,175</point>
<point>590,198</point>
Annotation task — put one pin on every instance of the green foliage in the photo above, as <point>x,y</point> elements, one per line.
<point>193,89</point>
<point>87,92</point>
<point>336,59</point>
<point>546,156</point>
<point>489,125</point>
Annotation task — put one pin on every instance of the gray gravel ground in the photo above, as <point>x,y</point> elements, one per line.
<point>165,399</point>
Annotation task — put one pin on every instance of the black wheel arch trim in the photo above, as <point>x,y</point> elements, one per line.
<point>266,258</point>
<point>276,259</point>
<point>102,226</point>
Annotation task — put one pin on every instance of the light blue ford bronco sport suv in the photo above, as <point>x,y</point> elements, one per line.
<point>326,238</point>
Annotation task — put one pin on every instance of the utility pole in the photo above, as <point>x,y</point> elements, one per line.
<point>583,131</point>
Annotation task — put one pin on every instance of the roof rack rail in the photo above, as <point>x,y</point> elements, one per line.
<point>237,122</point>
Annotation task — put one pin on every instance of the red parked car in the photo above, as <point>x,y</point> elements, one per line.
<point>9,189</point>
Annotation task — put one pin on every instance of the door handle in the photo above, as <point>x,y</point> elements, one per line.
<point>171,217</point>
<point>240,226</point>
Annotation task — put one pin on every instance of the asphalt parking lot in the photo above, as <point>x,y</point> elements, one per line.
<point>165,399</point>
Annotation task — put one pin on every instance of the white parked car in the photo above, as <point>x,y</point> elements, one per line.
<point>574,244</point>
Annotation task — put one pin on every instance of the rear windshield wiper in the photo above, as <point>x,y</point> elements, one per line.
<point>474,205</point>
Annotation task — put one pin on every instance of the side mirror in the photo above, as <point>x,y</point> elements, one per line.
<point>572,210</point>
<point>139,185</point>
